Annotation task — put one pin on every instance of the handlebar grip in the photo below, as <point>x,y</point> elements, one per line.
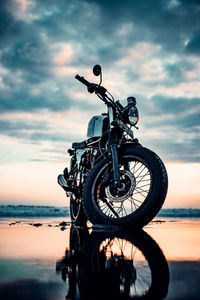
<point>83,80</point>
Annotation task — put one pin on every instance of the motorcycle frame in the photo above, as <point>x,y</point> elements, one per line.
<point>115,127</point>
<point>113,145</point>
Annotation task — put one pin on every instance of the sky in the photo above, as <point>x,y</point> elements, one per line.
<point>149,49</point>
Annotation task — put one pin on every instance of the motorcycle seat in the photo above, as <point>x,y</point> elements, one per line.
<point>80,145</point>
<point>84,144</point>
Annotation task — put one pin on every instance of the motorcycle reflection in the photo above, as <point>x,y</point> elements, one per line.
<point>113,265</point>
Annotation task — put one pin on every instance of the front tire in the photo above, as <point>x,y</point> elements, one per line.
<point>145,187</point>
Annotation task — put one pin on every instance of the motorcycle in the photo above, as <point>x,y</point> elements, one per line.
<point>112,178</point>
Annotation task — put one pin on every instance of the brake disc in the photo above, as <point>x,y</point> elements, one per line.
<point>122,193</point>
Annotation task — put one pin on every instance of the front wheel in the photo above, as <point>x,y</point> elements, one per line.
<point>139,198</point>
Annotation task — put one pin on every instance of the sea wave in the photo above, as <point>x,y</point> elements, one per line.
<point>179,213</point>
<point>28,211</point>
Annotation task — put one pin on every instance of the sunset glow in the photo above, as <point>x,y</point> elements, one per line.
<point>44,109</point>
<point>29,188</point>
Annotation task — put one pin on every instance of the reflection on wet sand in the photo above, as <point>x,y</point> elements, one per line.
<point>113,265</point>
<point>98,262</point>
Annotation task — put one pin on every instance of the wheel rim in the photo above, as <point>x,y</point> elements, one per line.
<point>142,182</point>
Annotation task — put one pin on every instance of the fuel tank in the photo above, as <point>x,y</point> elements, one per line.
<point>97,125</point>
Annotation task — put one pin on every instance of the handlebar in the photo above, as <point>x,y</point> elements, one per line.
<point>83,80</point>
<point>92,87</point>
<point>99,90</point>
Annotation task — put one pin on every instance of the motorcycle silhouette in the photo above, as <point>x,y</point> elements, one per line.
<point>113,265</point>
<point>112,178</point>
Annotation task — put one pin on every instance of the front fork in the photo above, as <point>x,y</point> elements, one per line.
<point>116,175</point>
<point>113,143</point>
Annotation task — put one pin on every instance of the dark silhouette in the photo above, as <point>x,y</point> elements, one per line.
<point>113,265</point>
<point>112,178</point>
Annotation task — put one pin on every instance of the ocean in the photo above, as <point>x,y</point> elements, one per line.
<point>35,211</point>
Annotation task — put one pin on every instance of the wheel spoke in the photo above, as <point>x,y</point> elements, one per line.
<point>124,208</point>
<point>133,201</point>
<point>148,179</point>
<point>137,200</point>
<point>111,208</point>
<point>134,168</point>
<point>137,184</point>
<point>135,164</point>
<point>144,167</point>
<point>137,191</point>
<point>143,185</point>
<point>142,177</point>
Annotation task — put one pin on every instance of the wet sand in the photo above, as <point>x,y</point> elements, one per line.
<point>34,262</point>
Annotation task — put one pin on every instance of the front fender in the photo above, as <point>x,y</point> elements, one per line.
<point>120,150</point>
<point>128,146</point>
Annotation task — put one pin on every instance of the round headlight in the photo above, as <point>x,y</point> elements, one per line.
<point>133,115</point>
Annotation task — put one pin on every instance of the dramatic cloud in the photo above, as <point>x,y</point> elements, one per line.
<point>150,49</point>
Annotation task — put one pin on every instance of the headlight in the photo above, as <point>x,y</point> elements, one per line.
<point>131,115</point>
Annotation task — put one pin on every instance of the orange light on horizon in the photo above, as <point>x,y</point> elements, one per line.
<point>36,183</point>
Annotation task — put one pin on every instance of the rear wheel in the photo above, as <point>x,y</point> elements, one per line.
<point>77,213</point>
<point>141,194</point>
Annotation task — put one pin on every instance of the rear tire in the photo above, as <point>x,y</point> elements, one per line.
<point>103,210</point>
<point>77,213</point>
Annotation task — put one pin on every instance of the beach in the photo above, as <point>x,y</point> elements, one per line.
<point>48,259</point>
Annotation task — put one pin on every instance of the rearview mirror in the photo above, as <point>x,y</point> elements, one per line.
<point>97,70</point>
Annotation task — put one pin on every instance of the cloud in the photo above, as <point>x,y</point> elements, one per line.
<point>170,126</point>
<point>20,100</point>
<point>37,130</point>
<point>25,55</point>
<point>175,106</point>
<point>149,49</point>
<point>156,21</point>
<point>193,45</point>
<point>6,126</point>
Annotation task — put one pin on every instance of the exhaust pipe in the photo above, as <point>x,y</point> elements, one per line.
<point>63,183</point>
